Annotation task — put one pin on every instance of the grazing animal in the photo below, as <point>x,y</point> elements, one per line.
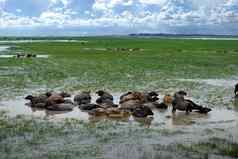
<point>98,112</point>
<point>199,108</point>
<point>105,99</point>
<point>30,55</point>
<point>23,55</point>
<point>56,102</point>
<point>69,101</point>
<point>187,105</point>
<point>167,100</point>
<point>236,90</point>
<point>61,107</point>
<point>130,104</point>
<point>19,55</point>
<point>133,96</point>
<point>37,101</point>
<point>51,101</point>
<point>117,113</point>
<point>62,94</point>
<point>142,112</point>
<point>180,103</point>
<point>131,100</point>
<point>54,99</point>
<point>83,98</point>
<point>151,97</point>
<point>104,95</point>
<point>88,107</point>
<point>65,94</point>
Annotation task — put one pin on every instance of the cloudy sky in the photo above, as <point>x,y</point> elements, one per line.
<point>104,17</point>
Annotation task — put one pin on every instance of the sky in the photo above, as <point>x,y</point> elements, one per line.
<point>117,17</point>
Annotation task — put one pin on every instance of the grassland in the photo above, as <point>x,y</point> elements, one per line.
<point>74,66</point>
<point>77,65</point>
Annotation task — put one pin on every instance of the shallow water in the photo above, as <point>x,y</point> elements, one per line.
<point>4,48</point>
<point>165,118</point>
<point>19,107</point>
<point>214,82</point>
<point>37,41</point>
<point>147,137</point>
<point>97,49</point>
<point>14,56</point>
<point>130,137</point>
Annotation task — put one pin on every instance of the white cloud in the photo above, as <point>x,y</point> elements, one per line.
<point>18,10</point>
<point>109,4</point>
<point>171,13</point>
<point>152,2</point>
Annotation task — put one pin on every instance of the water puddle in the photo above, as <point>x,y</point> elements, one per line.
<point>115,49</point>
<point>19,107</point>
<point>14,56</point>
<point>13,70</point>
<point>213,82</point>
<point>36,41</point>
<point>218,117</point>
<point>96,49</point>
<point>4,48</point>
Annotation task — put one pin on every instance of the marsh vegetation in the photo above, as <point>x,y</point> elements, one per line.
<point>206,69</point>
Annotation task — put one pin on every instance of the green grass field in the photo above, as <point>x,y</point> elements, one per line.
<point>74,66</point>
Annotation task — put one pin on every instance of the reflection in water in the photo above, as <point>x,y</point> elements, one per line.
<point>182,118</point>
<point>34,109</point>
<point>4,48</point>
<point>164,118</point>
<point>144,121</point>
<point>54,113</point>
<point>236,103</point>
<point>14,56</point>
<point>95,119</point>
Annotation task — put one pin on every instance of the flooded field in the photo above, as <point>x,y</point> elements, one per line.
<point>14,56</point>
<point>207,71</point>
<point>3,48</point>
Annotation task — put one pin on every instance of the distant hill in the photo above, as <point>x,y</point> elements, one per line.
<point>181,35</point>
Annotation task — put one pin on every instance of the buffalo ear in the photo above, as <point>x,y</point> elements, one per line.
<point>29,97</point>
<point>183,93</point>
<point>236,88</point>
<point>100,92</point>
<point>48,94</point>
<point>153,93</point>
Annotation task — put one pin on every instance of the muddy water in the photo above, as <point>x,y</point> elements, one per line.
<point>219,116</point>
<point>142,138</point>
<point>3,48</point>
<point>19,107</point>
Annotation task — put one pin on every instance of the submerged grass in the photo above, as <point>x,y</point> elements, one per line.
<point>25,137</point>
<point>215,146</point>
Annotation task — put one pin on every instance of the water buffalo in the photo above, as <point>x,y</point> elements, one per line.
<point>142,112</point>
<point>83,98</point>
<point>187,105</point>
<point>105,99</point>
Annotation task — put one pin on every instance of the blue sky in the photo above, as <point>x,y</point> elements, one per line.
<point>106,17</point>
